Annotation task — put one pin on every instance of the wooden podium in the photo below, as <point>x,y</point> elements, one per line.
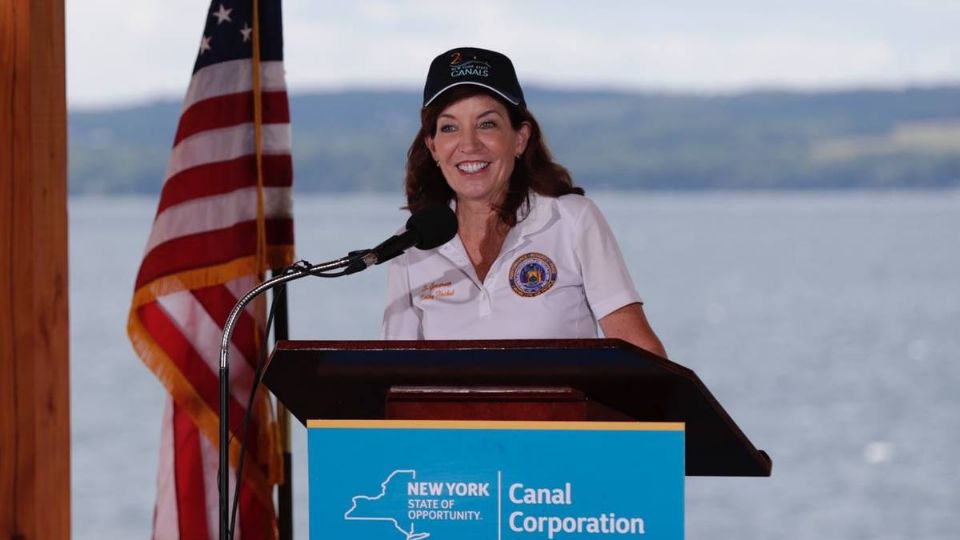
<point>552,380</point>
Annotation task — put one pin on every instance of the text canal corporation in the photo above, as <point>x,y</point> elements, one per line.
<point>538,511</point>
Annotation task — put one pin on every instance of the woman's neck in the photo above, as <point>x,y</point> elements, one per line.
<point>476,217</point>
<point>482,232</point>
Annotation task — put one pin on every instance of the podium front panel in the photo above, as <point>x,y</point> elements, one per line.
<point>413,480</point>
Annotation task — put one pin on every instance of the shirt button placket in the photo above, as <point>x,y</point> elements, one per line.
<point>484,307</point>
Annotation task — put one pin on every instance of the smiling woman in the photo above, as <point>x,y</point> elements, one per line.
<point>533,258</point>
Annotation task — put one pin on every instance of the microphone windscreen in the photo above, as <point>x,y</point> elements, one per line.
<point>434,226</point>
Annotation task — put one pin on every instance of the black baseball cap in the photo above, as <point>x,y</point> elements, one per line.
<point>478,67</point>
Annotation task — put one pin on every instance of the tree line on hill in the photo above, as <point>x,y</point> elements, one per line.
<point>357,140</point>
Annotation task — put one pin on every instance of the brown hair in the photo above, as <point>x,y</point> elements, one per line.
<point>534,169</point>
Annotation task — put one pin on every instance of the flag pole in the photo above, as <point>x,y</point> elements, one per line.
<point>281,327</point>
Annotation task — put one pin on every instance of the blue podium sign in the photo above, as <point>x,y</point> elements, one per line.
<point>461,480</point>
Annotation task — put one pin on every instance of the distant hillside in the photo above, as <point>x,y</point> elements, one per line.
<point>357,140</point>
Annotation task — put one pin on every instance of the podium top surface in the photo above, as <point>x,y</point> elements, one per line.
<point>350,379</point>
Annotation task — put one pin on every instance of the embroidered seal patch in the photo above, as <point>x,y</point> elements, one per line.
<point>532,274</point>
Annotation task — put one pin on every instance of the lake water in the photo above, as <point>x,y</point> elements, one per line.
<point>828,325</point>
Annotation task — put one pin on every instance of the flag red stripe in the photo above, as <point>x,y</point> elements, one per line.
<point>218,301</point>
<point>191,364</point>
<point>225,176</point>
<point>188,465</point>
<point>230,110</point>
<point>255,520</point>
<point>211,248</point>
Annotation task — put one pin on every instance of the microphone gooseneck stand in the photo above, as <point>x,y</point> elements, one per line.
<point>295,272</point>
<point>426,229</point>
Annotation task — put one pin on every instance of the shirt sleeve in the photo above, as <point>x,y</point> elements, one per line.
<point>401,320</point>
<point>606,280</point>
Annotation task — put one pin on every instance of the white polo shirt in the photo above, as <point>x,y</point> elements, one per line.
<point>559,271</point>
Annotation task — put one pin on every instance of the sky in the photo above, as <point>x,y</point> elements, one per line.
<point>122,52</point>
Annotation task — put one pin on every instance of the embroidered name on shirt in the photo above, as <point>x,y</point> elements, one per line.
<point>532,274</point>
<point>436,289</point>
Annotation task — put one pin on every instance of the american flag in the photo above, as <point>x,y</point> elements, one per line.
<point>214,234</point>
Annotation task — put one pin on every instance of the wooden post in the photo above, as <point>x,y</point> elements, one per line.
<point>34,368</point>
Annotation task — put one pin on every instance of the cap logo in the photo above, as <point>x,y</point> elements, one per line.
<point>468,65</point>
<point>474,68</point>
<point>532,274</point>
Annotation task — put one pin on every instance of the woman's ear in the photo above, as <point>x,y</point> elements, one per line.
<point>431,146</point>
<point>523,137</point>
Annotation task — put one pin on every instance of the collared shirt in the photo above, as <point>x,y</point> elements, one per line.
<point>559,271</point>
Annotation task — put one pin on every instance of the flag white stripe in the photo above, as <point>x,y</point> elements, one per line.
<point>218,212</point>
<point>224,144</point>
<point>166,524</point>
<point>204,335</point>
<point>233,77</point>
<point>210,456</point>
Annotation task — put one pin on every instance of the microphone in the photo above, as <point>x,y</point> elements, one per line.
<point>429,228</point>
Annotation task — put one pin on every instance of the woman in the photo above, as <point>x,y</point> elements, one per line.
<point>533,257</point>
